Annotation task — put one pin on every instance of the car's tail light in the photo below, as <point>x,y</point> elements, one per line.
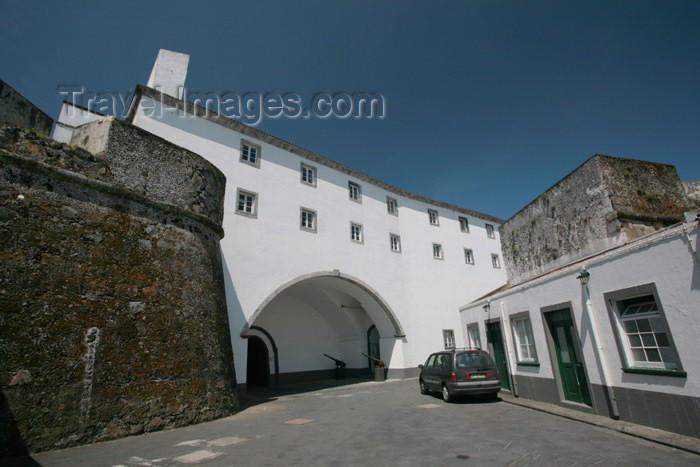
<point>453,376</point>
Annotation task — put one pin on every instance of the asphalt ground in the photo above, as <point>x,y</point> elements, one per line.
<point>386,423</point>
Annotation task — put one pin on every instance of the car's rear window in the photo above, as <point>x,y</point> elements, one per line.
<point>473,360</point>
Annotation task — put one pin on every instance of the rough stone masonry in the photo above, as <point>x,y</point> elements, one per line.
<point>113,318</point>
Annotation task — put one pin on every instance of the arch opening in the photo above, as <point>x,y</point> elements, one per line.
<point>325,313</point>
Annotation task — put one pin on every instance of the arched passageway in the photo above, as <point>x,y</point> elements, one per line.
<point>323,313</point>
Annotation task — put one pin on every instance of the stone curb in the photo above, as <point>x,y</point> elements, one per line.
<point>674,440</point>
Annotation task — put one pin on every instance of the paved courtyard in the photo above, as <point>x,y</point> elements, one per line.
<point>372,423</point>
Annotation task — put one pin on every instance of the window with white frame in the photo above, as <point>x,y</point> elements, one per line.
<point>308,220</point>
<point>356,232</point>
<point>395,243</point>
<point>392,206</point>
<point>489,231</point>
<point>448,336</point>
<point>355,192</point>
<point>437,251</point>
<point>495,261</point>
<point>250,153</point>
<point>473,336</point>
<point>308,175</point>
<point>247,204</point>
<point>643,332</point>
<point>433,217</point>
<point>468,256</point>
<point>464,224</point>
<point>522,335</point>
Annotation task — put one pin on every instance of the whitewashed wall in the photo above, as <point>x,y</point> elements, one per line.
<point>262,254</point>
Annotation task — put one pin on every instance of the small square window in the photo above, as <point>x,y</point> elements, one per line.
<point>356,233</point>
<point>308,220</point>
<point>395,243</point>
<point>448,336</point>
<point>392,206</point>
<point>468,256</point>
<point>250,153</point>
<point>522,337</point>
<point>355,192</point>
<point>489,231</point>
<point>247,203</point>
<point>473,336</point>
<point>495,261</point>
<point>437,251</point>
<point>433,217</point>
<point>308,175</point>
<point>464,224</point>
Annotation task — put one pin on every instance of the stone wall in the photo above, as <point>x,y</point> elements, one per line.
<point>15,108</point>
<point>112,311</point>
<point>604,202</point>
<point>692,189</point>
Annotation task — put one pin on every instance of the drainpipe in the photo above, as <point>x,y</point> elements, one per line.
<point>599,347</point>
<point>511,375</point>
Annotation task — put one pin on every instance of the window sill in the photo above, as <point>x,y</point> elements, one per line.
<point>656,371</point>
<point>528,363</point>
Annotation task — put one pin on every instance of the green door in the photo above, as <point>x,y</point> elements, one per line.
<point>495,343</point>
<point>573,377</point>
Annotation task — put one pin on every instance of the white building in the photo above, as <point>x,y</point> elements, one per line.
<point>620,337</point>
<point>319,258</point>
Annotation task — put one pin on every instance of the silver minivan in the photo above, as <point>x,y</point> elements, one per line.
<point>460,372</point>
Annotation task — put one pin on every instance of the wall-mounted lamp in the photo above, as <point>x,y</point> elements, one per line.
<point>584,276</point>
<point>487,307</point>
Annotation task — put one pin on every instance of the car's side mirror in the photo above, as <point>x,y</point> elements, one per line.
<point>420,366</point>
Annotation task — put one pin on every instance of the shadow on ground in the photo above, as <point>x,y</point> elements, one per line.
<point>259,395</point>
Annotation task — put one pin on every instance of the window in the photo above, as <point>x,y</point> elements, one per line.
<point>433,217</point>
<point>395,243</point>
<point>437,251</point>
<point>250,153</point>
<point>392,206</point>
<point>355,192</point>
<point>448,336</point>
<point>522,337</point>
<point>473,336</point>
<point>308,175</point>
<point>468,256</point>
<point>247,203</point>
<point>495,261</point>
<point>643,333</point>
<point>489,231</point>
<point>356,232</point>
<point>464,224</point>
<point>308,220</point>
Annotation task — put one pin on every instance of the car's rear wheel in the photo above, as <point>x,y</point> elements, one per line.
<point>423,389</point>
<point>492,396</point>
<point>446,396</point>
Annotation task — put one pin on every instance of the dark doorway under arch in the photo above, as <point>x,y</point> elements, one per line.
<point>258,367</point>
<point>373,346</point>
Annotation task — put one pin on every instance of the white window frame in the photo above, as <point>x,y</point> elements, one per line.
<point>307,172</point>
<point>473,336</point>
<point>495,261</point>
<point>304,215</point>
<point>395,243</point>
<point>469,256</point>
<point>355,192</point>
<point>448,338</point>
<point>642,330</point>
<point>392,206</point>
<point>490,232</point>
<point>463,224</point>
<point>250,209</point>
<point>437,251</point>
<point>433,217</point>
<point>246,147</point>
<point>356,234</point>
<point>523,339</point>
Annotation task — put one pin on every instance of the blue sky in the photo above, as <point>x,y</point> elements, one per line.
<point>488,103</point>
